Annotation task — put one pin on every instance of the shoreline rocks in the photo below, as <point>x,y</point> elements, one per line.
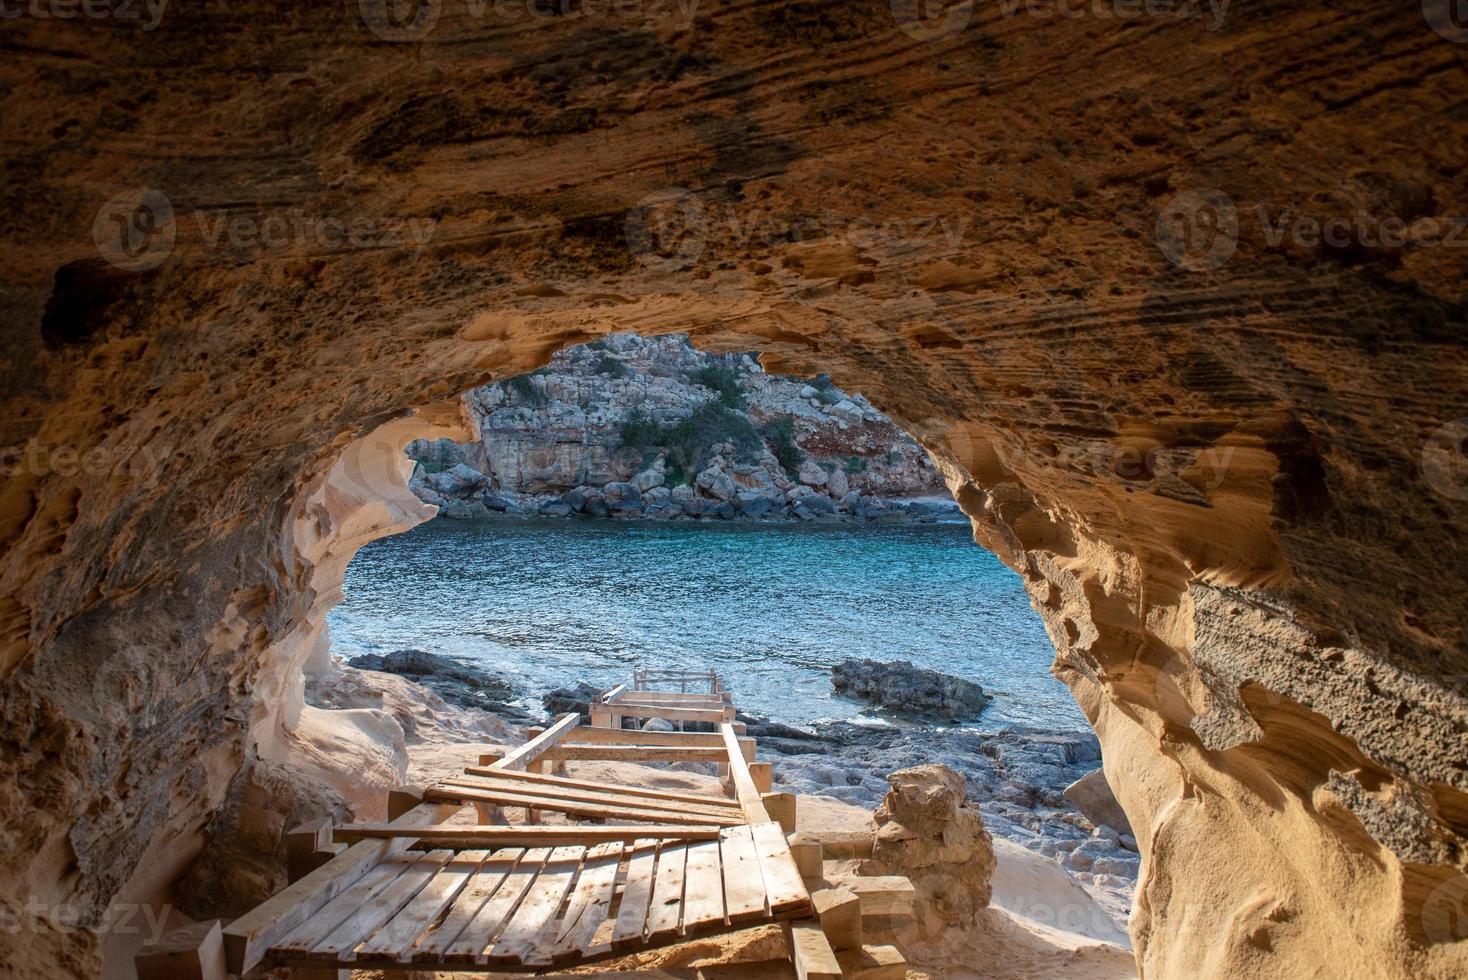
<point>901,687</point>
<point>455,682</point>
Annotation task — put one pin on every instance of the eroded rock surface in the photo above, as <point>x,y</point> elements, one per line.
<point>1231,482</point>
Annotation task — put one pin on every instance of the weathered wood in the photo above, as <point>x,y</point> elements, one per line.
<point>479,934</point>
<point>781,808</point>
<point>339,946</point>
<point>610,795</point>
<point>839,912</point>
<point>810,953</point>
<point>703,887</point>
<point>193,952</point>
<point>763,774</point>
<point>394,940</point>
<point>586,909</point>
<point>521,757</point>
<point>665,914</point>
<point>331,915</point>
<point>672,713</point>
<point>451,835</point>
<point>744,883</point>
<point>784,889</point>
<point>401,799</point>
<point>654,794</point>
<point>636,894</point>
<point>583,752</point>
<point>885,895</point>
<point>810,858</point>
<point>522,933</point>
<point>492,756</point>
<point>247,938</point>
<point>614,694</point>
<point>302,845</point>
<point>873,963</point>
<point>636,736</point>
<point>530,801</point>
<point>744,789</point>
<point>467,905</point>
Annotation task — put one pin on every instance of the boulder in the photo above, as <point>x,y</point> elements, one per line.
<point>555,508</point>
<point>682,495</point>
<point>456,481</point>
<point>575,499</point>
<point>846,410</point>
<point>899,686</point>
<point>753,504</point>
<point>811,474</point>
<point>1093,797</point>
<point>451,680</point>
<point>597,506</point>
<point>464,510</point>
<point>851,501</point>
<point>622,498</point>
<point>818,505</point>
<point>650,477</point>
<point>716,483</point>
<point>836,484</point>
<point>929,833</point>
<point>577,698</point>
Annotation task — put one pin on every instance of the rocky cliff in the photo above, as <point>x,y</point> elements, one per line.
<point>254,251</point>
<point>628,426</point>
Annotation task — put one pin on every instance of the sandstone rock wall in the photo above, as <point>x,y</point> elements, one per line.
<point>1227,463</point>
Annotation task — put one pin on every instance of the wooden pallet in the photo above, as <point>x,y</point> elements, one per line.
<point>516,908</point>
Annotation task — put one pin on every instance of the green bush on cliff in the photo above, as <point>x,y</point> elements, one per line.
<point>611,367</point>
<point>724,382</point>
<point>686,443</point>
<point>780,434</point>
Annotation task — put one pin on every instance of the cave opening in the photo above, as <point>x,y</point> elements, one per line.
<point>637,502</point>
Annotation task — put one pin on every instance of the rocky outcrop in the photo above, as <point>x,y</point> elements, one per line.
<point>653,428</point>
<point>928,833</point>
<point>901,687</point>
<point>1092,796</point>
<point>1225,461</point>
<point>456,683</point>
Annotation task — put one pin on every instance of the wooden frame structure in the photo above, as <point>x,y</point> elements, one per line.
<point>656,867</point>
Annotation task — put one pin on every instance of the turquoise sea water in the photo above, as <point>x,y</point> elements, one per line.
<point>544,603</point>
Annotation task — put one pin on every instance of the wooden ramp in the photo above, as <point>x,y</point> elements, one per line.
<point>652,868</point>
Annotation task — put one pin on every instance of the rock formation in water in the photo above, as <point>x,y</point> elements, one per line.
<point>653,428</point>
<point>901,687</point>
<point>253,252</point>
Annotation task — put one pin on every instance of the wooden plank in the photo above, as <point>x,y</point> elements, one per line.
<point>467,905</point>
<point>652,794</point>
<point>784,890</point>
<point>703,887</point>
<point>301,846</point>
<point>573,808</point>
<point>395,939</point>
<point>455,837</point>
<point>247,938</point>
<point>839,912</point>
<point>583,752</point>
<point>587,908</point>
<point>810,954</point>
<point>339,946</point>
<point>636,895</point>
<point>478,935</point>
<point>763,774</point>
<point>522,756</point>
<point>610,795</point>
<point>781,808</point>
<point>665,914</point>
<point>884,894</point>
<point>522,934</point>
<point>191,952</point>
<point>744,883</point>
<point>310,933</point>
<point>635,736</point>
<point>744,788</point>
<point>672,713</point>
<point>615,693</point>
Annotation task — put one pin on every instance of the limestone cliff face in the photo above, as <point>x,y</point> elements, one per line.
<point>1226,457</point>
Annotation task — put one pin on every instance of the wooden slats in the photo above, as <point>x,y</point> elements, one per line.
<point>703,887</point>
<point>608,795</point>
<point>308,934</point>
<point>522,756</point>
<point>339,944</point>
<point>464,794</point>
<point>636,895</point>
<point>588,752</point>
<point>520,935</point>
<point>456,837</point>
<point>399,934</point>
<point>665,915</point>
<point>483,885</point>
<point>472,943</point>
<point>651,794</point>
<point>586,910</point>
<point>744,883</point>
<point>784,891</point>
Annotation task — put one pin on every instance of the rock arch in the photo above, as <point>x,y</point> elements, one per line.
<point>1229,487</point>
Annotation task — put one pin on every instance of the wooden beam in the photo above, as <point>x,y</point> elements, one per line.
<point>582,752</point>
<point>521,757</point>
<point>608,795</point>
<point>401,799</point>
<point>573,808</point>
<point>619,691</point>
<point>651,794</point>
<point>873,963</point>
<point>303,844</point>
<point>763,774</point>
<point>884,894</point>
<point>247,938</point>
<point>633,736</point>
<point>744,789</point>
<point>194,952</point>
<point>471,838</point>
<point>839,912</point>
<point>711,716</point>
<point>781,808</point>
<point>810,953</point>
<point>810,858</point>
